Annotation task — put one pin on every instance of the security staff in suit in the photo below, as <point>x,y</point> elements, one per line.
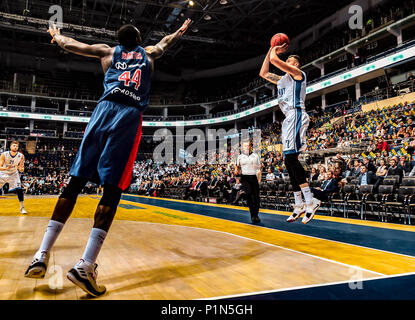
<point>328,187</point>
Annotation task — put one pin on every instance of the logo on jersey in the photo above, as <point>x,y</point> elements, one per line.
<point>131,55</point>
<point>126,92</point>
<point>121,65</point>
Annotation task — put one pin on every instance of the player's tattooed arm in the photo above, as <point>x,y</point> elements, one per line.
<point>264,72</point>
<point>74,46</point>
<point>167,42</point>
<point>271,77</point>
<point>21,165</point>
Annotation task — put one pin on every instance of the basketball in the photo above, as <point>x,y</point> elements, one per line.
<point>279,39</point>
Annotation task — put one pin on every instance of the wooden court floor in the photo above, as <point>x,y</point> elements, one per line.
<point>156,253</point>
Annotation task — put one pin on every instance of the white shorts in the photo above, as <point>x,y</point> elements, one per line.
<point>13,179</point>
<point>294,129</point>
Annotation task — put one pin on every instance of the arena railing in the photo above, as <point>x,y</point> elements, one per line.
<point>369,59</point>
<point>361,40</point>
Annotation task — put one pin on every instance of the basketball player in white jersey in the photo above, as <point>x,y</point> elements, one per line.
<point>11,162</point>
<point>291,97</point>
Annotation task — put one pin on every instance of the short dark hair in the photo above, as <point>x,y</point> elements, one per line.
<point>295,57</point>
<point>129,36</point>
<point>14,142</point>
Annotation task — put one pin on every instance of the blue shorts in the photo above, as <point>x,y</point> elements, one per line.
<point>109,146</point>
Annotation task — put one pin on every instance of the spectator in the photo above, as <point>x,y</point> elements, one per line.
<point>367,177</point>
<point>394,170</point>
<point>382,170</point>
<point>328,187</point>
<point>322,174</point>
<point>369,165</point>
<point>406,166</point>
<point>270,178</point>
<point>314,174</point>
<point>383,145</point>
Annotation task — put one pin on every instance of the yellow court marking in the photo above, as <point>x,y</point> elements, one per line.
<point>378,224</point>
<point>370,259</point>
<point>147,260</point>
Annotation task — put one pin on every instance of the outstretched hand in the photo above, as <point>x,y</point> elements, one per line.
<point>53,31</point>
<point>185,25</point>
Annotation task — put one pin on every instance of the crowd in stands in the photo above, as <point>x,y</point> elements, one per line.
<point>391,129</point>
<point>383,144</point>
<point>384,134</point>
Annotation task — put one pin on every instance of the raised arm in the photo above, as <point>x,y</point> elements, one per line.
<point>21,164</point>
<point>282,65</point>
<point>71,45</point>
<point>264,73</point>
<point>167,42</point>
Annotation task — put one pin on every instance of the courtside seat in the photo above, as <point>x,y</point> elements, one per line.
<point>349,193</point>
<point>281,196</point>
<point>315,184</point>
<point>408,181</point>
<point>385,194</point>
<point>396,177</point>
<point>367,197</point>
<point>354,181</point>
<point>398,205</point>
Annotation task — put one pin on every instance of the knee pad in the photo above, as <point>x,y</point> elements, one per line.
<point>73,189</point>
<point>111,197</point>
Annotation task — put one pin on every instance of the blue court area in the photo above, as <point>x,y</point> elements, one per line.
<point>394,288</point>
<point>396,241</point>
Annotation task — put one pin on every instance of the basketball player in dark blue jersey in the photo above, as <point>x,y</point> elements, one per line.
<point>109,146</point>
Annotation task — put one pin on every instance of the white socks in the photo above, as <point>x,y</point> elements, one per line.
<point>298,198</point>
<point>52,232</point>
<point>308,195</point>
<point>21,205</point>
<point>95,241</point>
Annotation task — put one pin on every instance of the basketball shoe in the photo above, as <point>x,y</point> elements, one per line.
<point>298,211</point>
<point>37,268</point>
<point>84,274</point>
<point>311,209</point>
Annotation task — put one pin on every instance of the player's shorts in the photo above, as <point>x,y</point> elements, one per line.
<point>294,130</point>
<point>13,179</point>
<point>109,146</point>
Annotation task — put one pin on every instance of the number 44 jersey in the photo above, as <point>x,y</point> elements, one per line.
<point>127,80</point>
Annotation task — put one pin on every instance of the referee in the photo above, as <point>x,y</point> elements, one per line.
<point>249,164</point>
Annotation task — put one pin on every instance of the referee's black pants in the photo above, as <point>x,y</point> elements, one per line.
<point>251,187</point>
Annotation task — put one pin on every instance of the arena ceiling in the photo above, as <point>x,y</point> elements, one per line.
<point>223,31</point>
